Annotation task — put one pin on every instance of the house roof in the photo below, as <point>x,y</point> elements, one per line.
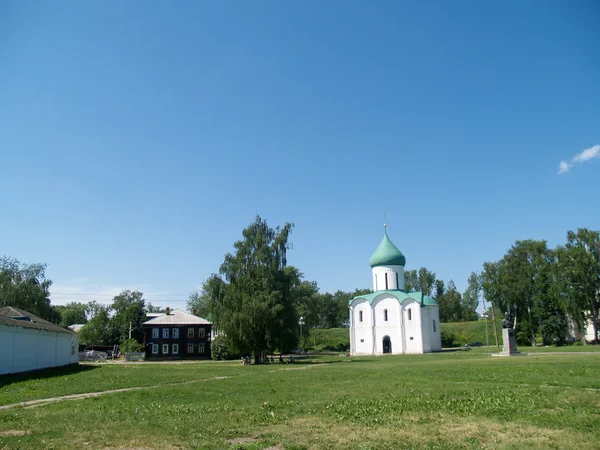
<point>177,317</point>
<point>387,254</point>
<point>15,317</point>
<point>419,297</point>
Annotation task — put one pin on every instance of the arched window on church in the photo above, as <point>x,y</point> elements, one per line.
<point>360,316</point>
<point>409,314</point>
<point>376,288</point>
<point>397,282</point>
<point>386,281</point>
<point>385,317</point>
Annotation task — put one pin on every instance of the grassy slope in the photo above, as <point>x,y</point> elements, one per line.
<point>451,400</point>
<point>467,332</point>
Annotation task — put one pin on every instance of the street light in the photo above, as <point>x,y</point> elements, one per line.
<point>487,339</point>
<point>301,322</point>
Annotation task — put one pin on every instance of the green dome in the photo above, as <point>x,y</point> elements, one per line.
<point>387,254</point>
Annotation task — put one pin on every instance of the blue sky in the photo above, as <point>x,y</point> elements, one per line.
<point>137,139</point>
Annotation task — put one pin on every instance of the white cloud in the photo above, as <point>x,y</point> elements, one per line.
<point>563,167</point>
<point>586,155</point>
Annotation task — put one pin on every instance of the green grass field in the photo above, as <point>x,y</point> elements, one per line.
<point>447,400</point>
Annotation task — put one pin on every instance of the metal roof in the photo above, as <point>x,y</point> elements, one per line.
<point>9,314</point>
<point>177,317</point>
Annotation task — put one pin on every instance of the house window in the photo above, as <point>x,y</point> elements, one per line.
<point>385,318</point>
<point>201,333</point>
<point>434,326</point>
<point>409,314</point>
<point>386,281</point>
<point>190,332</point>
<point>175,333</point>
<point>200,348</point>
<point>190,348</point>
<point>165,333</point>
<point>165,349</point>
<point>155,333</point>
<point>155,346</point>
<point>175,349</point>
<point>360,316</point>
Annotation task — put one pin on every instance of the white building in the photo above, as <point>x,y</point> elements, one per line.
<point>28,342</point>
<point>390,320</point>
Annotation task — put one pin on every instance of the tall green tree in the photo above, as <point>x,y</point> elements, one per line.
<point>73,313</point>
<point>450,304</point>
<point>426,281</point>
<point>411,281</point>
<point>257,313</point>
<point>130,312</point>
<point>199,301</point>
<point>470,299</point>
<point>26,287</point>
<point>579,262</point>
<point>97,331</point>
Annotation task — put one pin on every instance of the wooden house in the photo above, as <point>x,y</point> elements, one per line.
<point>177,334</point>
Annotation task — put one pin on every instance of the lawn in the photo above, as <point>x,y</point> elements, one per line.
<point>448,400</point>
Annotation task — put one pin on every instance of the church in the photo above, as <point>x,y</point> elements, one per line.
<point>391,320</point>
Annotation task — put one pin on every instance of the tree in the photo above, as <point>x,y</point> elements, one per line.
<point>470,299</point>
<point>150,308</point>
<point>26,287</point>
<point>73,313</point>
<point>426,281</point>
<point>256,312</point>
<point>97,330</point>
<point>130,312</point>
<point>449,303</point>
<point>199,301</point>
<point>411,280</point>
<point>579,262</point>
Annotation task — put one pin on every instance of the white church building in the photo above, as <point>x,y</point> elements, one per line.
<point>391,320</point>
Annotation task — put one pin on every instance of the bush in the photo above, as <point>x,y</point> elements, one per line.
<point>448,338</point>
<point>221,349</point>
<point>342,346</point>
<point>130,345</point>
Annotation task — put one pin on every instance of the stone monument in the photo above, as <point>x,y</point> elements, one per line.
<point>508,338</point>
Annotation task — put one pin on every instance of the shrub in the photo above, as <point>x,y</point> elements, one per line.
<point>221,349</point>
<point>448,338</point>
<point>130,345</point>
<point>342,346</point>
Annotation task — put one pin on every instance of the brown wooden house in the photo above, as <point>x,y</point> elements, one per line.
<point>177,334</point>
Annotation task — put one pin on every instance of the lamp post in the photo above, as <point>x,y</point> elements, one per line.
<point>301,322</point>
<point>487,339</point>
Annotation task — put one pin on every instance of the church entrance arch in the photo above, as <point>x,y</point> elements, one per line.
<point>387,345</point>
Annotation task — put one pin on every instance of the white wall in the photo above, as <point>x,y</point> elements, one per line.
<point>412,327</point>
<point>378,274</point>
<point>362,341</point>
<point>392,327</point>
<point>23,349</point>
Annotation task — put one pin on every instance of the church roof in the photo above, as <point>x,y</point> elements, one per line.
<point>419,297</point>
<point>387,254</point>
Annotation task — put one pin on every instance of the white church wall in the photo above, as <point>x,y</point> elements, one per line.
<point>393,282</point>
<point>363,328</point>
<point>412,326</point>
<point>382,306</point>
<point>436,336</point>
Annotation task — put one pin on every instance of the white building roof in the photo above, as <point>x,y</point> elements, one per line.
<point>177,317</point>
